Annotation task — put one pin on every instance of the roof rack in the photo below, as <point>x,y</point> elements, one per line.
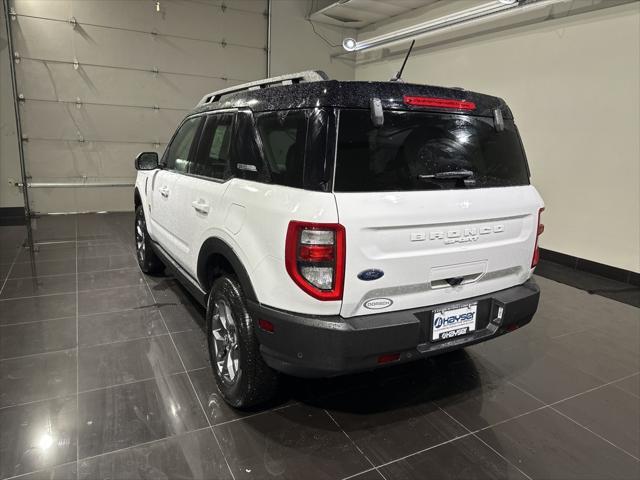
<point>289,79</point>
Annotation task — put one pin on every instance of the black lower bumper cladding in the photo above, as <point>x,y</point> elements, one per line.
<point>325,346</point>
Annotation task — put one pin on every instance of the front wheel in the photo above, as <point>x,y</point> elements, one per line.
<point>244,379</point>
<point>147,259</point>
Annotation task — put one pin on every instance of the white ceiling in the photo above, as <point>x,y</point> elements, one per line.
<point>360,13</point>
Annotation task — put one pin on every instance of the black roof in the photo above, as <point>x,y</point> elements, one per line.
<point>353,94</point>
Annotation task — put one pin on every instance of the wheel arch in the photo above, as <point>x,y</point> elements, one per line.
<point>137,198</point>
<point>216,254</point>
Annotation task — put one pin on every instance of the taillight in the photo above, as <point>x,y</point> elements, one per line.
<point>314,257</point>
<point>438,102</point>
<point>536,250</point>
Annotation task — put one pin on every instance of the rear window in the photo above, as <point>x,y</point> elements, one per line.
<point>418,151</point>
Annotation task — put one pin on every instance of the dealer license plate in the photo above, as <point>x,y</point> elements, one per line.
<point>453,322</point>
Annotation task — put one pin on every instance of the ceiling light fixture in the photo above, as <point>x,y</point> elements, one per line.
<point>480,12</point>
<point>349,44</point>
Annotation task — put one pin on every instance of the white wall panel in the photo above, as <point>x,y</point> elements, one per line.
<point>83,199</point>
<point>59,81</point>
<point>131,58</point>
<point>57,160</point>
<point>61,121</point>
<point>196,19</point>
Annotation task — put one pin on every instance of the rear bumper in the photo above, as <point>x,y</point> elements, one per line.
<point>325,346</point>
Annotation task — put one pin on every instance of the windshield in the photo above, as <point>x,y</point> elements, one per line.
<point>419,151</point>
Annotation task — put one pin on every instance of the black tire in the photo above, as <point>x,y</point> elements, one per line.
<point>254,383</point>
<point>147,259</point>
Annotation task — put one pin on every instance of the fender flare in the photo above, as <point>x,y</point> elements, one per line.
<point>213,246</point>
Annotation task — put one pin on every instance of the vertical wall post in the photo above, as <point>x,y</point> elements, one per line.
<point>16,106</point>
<point>268,38</point>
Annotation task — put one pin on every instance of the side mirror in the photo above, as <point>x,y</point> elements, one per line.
<point>147,161</point>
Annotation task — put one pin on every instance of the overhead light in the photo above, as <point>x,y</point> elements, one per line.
<point>478,13</point>
<point>349,44</point>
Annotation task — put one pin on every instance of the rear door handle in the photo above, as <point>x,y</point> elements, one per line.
<point>201,207</point>
<point>164,191</point>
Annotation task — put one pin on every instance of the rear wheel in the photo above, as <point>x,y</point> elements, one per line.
<point>243,378</point>
<point>147,259</point>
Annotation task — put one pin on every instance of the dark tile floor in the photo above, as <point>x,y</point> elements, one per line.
<point>104,374</point>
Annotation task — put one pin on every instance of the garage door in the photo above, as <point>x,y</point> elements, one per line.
<point>100,81</point>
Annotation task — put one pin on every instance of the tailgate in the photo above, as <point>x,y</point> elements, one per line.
<point>435,247</point>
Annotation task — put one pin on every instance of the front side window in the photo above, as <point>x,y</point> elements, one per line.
<point>426,151</point>
<point>177,156</point>
<point>213,159</point>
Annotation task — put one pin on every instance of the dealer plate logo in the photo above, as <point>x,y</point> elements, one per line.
<point>378,303</point>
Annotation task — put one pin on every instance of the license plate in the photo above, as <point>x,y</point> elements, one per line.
<point>453,322</point>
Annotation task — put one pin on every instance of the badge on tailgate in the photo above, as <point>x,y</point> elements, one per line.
<point>453,321</point>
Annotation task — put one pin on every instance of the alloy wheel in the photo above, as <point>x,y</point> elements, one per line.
<point>140,240</point>
<point>225,342</point>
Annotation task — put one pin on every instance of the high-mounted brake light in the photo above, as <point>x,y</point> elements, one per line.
<point>536,250</point>
<point>315,256</point>
<point>438,102</point>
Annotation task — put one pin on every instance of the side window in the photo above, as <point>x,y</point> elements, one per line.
<point>177,156</point>
<point>246,160</point>
<point>284,137</point>
<point>213,159</point>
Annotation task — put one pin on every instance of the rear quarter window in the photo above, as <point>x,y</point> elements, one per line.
<point>284,137</point>
<point>412,149</point>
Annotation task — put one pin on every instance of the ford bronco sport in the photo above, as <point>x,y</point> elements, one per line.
<point>332,227</point>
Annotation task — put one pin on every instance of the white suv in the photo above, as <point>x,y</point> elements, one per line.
<point>331,227</point>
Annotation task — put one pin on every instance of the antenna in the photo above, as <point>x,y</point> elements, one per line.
<point>398,76</point>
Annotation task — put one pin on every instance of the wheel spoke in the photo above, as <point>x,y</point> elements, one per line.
<point>230,323</point>
<point>221,366</point>
<point>231,366</point>
<point>218,336</point>
<point>222,314</point>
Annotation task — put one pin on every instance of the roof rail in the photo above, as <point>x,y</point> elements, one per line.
<point>289,79</point>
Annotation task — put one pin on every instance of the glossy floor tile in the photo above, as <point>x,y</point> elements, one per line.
<point>630,385</point>
<point>37,377</point>
<point>37,308</point>
<point>38,436</point>
<point>609,412</point>
<point>68,471</point>
<point>37,337</point>
<point>113,418</point>
<point>103,328</point>
<point>544,444</point>
<point>291,443</point>
<point>465,458</point>
<point>193,348</point>
<point>125,362</point>
<point>114,299</point>
<point>40,268</point>
<point>189,456</point>
<point>559,398</point>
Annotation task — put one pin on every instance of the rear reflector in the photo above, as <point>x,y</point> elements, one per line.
<point>439,103</point>
<point>316,253</point>
<point>266,325</point>
<point>389,357</point>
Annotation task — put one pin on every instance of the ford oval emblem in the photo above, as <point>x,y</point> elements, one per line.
<point>378,303</point>
<point>371,274</point>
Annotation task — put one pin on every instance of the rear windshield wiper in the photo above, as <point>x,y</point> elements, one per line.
<point>446,175</point>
